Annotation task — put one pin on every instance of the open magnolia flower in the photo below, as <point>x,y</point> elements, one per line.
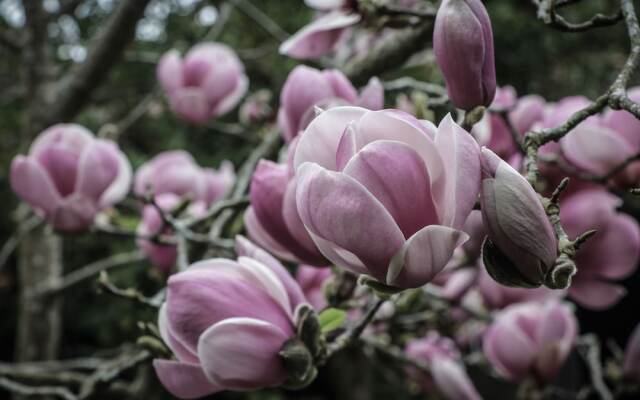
<point>208,82</point>
<point>226,322</point>
<point>69,175</point>
<point>384,194</point>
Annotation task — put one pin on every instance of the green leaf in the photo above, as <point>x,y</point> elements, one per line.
<point>331,318</point>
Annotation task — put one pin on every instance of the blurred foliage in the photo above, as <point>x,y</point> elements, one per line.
<point>530,56</point>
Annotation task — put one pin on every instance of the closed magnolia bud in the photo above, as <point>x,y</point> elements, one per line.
<point>69,175</point>
<point>463,46</point>
<point>521,247</point>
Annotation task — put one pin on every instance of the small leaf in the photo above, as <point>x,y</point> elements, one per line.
<point>331,319</point>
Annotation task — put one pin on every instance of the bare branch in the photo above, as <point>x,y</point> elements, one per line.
<point>26,390</point>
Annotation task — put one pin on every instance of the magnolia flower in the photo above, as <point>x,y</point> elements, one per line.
<point>170,177</point>
<point>225,322</point>
<point>447,371</point>
<point>178,173</point>
<point>631,365</point>
<point>611,254</point>
<point>463,46</point>
<point>516,224</point>
<point>307,88</point>
<point>208,82</point>
<point>384,194</point>
<point>530,339</point>
<point>69,176</point>
<point>321,36</point>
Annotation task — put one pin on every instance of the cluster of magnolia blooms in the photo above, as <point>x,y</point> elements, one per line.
<point>375,192</point>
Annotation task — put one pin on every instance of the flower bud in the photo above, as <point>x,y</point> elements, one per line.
<point>463,46</point>
<point>69,175</point>
<point>521,247</point>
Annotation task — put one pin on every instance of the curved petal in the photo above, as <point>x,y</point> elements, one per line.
<point>121,184</point>
<point>242,354</point>
<point>232,99</point>
<point>98,168</point>
<point>461,156</point>
<point>73,137</point>
<point>337,208</point>
<point>74,214</point>
<point>320,36</point>
<point>339,256</point>
<point>396,175</point>
<point>245,248</point>
<point>341,85</point>
<point>190,104</point>
<point>588,209</point>
<point>169,71</point>
<point>30,181</point>
<point>372,95</point>
<point>319,142</point>
<point>509,351</point>
<point>424,255</point>
<point>259,235</point>
<point>594,294</point>
<point>182,353</point>
<point>595,149</point>
<point>452,380</point>
<point>184,380</point>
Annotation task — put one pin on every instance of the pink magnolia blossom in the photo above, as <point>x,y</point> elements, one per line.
<point>384,194</point>
<point>611,254</point>
<point>531,339</point>
<point>225,322</point>
<point>208,82</point>
<point>307,88</point>
<point>69,176</point>
<point>177,172</point>
<point>631,365</point>
<point>463,46</point>
<point>447,371</point>
<point>516,222</point>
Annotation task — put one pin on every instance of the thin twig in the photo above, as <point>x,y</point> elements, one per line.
<point>25,390</point>
<point>128,293</point>
<point>12,243</point>
<point>589,349</point>
<point>262,19</point>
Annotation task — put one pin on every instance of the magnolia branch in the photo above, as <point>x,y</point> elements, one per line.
<point>547,13</point>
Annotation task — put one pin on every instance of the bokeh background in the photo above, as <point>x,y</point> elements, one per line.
<point>529,55</point>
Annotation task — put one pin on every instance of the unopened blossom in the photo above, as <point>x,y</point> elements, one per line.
<point>178,173</point>
<point>69,176</point>
<point>516,224</point>
<point>208,82</point>
<point>307,88</point>
<point>447,370</point>
<point>225,322</point>
<point>531,340</point>
<point>384,194</point>
<point>272,220</point>
<point>463,46</point>
<point>321,36</point>
<point>611,254</point>
<point>631,365</point>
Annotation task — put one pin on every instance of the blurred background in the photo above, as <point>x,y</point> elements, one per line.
<point>529,55</point>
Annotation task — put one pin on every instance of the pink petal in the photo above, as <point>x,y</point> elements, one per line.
<point>337,208</point>
<point>259,235</point>
<point>396,175</point>
<point>169,71</point>
<point>31,183</point>
<point>182,353</point>
<point>72,137</point>
<point>594,294</point>
<point>509,351</point>
<point>120,186</point>
<point>98,168</point>
<point>191,104</point>
<point>319,37</point>
<point>231,100</point>
<point>452,380</point>
<point>184,380</point>
<point>74,214</point>
<point>461,156</point>
<point>594,148</point>
<point>372,95</point>
<point>242,354</point>
<point>424,255</point>
<point>341,85</point>
<point>319,142</point>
